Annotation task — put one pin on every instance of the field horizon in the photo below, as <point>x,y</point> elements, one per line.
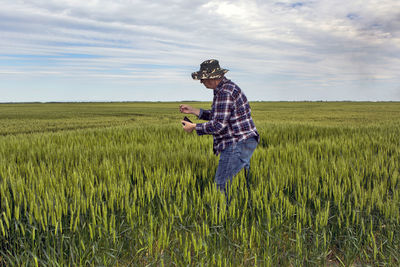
<point>194,101</point>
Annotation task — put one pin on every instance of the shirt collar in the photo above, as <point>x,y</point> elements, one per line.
<point>221,83</point>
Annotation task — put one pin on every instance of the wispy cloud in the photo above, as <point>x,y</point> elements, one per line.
<point>295,47</point>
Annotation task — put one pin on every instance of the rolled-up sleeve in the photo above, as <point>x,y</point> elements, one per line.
<point>220,117</point>
<point>205,115</point>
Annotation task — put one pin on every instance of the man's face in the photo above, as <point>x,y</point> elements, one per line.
<point>210,83</point>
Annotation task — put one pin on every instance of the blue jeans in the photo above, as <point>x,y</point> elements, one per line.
<point>232,159</point>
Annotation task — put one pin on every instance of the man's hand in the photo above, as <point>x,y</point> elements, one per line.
<point>189,110</point>
<point>188,127</point>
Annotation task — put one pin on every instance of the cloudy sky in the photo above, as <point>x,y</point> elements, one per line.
<point>132,50</point>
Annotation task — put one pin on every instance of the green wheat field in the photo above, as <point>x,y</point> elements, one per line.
<point>121,184</point>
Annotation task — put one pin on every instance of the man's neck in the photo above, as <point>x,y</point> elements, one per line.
<point>216,83</point>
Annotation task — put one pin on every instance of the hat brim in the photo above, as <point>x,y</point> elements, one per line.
<point>200,75</point>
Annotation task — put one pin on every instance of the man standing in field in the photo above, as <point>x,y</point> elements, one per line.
<point>229,121</point>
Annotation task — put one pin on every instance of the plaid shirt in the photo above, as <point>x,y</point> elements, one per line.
<point>229,120</point>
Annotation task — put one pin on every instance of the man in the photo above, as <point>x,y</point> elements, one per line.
<point>229,121</point>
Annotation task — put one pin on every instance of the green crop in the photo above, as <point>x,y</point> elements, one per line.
<point>120,184</point>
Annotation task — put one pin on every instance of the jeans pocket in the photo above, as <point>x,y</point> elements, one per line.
<point>251,144</point>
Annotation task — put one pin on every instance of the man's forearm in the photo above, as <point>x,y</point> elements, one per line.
<point>196,111</point>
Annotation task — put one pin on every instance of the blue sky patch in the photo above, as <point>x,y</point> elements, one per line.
<point>352,16</point>
<point>298,4</point>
